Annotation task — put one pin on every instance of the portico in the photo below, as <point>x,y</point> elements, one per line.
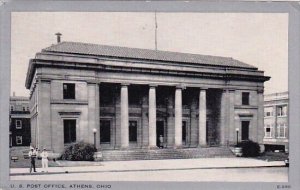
<point>190,100</point>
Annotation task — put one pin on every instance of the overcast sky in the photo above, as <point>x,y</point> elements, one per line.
<point>259,39</point>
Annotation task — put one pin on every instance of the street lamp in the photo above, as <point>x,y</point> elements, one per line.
<point>95,131</point>
<point>237,135</point>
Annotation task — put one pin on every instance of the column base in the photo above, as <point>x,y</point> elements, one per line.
<point>123,148</point>
<point>202,146</point>
<point>153,147</point>
<point>178,147</point>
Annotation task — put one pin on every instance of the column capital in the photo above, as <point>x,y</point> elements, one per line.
<point>90,82</point>
<point>181,86</point>
<point>125,84</point>
<point>153,85</point>
<point>203,88</point>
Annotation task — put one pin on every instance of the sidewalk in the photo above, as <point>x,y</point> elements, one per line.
<point>151,165</point>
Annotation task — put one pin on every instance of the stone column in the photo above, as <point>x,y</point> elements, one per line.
<point>124,117</point>
<point>152,117</point>
<point>178,117</point>
<point>202,118</point>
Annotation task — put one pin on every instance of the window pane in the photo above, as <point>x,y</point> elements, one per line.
<point>245,98</point>
<point>69,91</point>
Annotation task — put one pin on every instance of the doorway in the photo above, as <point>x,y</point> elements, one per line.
<point>184,133</point>
<point>159,131</point>
<point>105,131</point>
<point>245,130</point>
<point>69,130</point>
<point>133,131</point>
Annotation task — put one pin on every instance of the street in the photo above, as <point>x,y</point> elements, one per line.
<point>262,174</point>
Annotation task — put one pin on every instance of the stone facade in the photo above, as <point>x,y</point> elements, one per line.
<point>132,96</point>
<point>276,121</point>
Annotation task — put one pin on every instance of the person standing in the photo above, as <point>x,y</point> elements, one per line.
<point>32,156</point>
<point>44,156</point>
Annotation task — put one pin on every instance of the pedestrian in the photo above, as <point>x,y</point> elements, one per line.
<point>161,141</point>
<point>32,156</point>
<point>44,156</point>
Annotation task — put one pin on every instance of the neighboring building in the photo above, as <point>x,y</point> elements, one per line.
<point>276,121</point>
<point>20,133</point>
<point>132,96</point>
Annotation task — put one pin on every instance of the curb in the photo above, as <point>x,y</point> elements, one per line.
<point>143,170</point>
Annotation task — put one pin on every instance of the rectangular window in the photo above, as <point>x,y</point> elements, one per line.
<point>245,98</point>
<point>18,124</point>
<point>281,128</point>
<point>11,108</point>
<point>132,131</point>
<point>281,110</point>
<point>268,130</point>
<point>18,140</point>
<point>69,91</point>
<point>268,112</point>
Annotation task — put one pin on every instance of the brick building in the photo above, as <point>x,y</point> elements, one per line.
<point>132,96</point>
<point>276,121</point>
<point>20,134</point>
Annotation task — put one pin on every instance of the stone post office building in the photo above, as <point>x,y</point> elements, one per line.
<point>133,96</point>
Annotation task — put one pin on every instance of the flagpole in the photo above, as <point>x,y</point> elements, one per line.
<point>155,31</point>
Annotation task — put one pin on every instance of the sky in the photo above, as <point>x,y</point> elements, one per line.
<point>258,39</point>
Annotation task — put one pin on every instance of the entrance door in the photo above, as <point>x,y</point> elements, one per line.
<point>184,133</point>
<point>245,130</point>
<point>159,131</point>
<point>133,131</point>
<point>69,130</point>
<point>105,131</point>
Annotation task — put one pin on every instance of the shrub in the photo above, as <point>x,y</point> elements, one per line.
<point>79,152</point>
<point>249,148</point>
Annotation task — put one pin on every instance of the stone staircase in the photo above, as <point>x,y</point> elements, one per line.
<point>157,154</point>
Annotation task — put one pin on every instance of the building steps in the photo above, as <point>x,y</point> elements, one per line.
<point>157,154</point>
